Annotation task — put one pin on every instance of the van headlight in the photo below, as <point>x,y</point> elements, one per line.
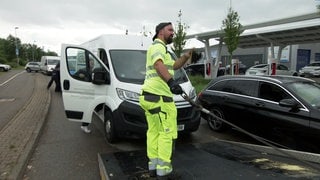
<point>127,95</point>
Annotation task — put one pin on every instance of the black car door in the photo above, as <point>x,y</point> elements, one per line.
<point>236,99</point>
<point>270,115</point>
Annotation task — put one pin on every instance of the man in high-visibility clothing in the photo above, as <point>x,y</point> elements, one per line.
<point>157,101</point>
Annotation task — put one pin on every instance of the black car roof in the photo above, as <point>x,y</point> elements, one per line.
<point>273,78</point>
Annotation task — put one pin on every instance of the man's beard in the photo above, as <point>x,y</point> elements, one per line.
<point>169,40</point>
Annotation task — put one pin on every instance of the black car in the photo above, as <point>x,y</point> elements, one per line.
<point>285,104</point>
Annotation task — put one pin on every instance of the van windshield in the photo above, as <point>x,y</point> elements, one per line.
<point>52,61</point>
<point>130,66</point>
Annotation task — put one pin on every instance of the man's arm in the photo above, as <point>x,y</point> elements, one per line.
<point>182,60</point>
<point>162,70</point>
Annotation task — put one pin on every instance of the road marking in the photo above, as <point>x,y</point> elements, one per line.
<point>11,78</point>
<point>5,100</point>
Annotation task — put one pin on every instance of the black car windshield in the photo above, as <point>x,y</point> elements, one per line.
<point>309,92</point>
<point>130,66</point>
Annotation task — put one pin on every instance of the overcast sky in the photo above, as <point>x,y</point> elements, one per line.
<point>49,23</point>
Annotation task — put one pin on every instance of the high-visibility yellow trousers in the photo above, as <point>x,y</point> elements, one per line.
<point>162,130</point>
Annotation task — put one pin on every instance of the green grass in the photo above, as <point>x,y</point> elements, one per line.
<point>199,82</point>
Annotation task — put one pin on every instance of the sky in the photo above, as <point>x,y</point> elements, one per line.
<point>49,23</point>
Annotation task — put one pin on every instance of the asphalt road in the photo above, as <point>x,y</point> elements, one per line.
<point>65,152</point>
<point>16,87</point>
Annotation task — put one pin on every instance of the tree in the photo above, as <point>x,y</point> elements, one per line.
<point>232,29</point>
<point>27,52</point>
<point>180,35</point>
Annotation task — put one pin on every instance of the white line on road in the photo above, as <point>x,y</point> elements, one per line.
<point>11,78</point>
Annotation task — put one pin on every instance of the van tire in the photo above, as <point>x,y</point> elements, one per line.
<point>109,129</point>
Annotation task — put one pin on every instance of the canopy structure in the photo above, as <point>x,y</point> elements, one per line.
<point>294,30</point>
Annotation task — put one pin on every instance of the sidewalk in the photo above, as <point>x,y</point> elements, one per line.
<point>18,137</point>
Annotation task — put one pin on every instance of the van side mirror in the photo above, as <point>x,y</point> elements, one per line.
<point>101,77</point>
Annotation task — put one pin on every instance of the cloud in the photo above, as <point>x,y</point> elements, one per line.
<point>52,22</point>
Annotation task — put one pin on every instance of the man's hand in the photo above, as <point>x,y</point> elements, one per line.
<point>189,53</point>
<point>175,88</point>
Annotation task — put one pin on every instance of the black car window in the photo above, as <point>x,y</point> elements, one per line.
<point>243,87</point>
<point>272,92</point>
<point>220,86</point>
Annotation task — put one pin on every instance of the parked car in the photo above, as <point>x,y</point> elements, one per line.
<point>198,69</point>
<point>312,69</point>
<point>32,66</point>
<point>242,68</point>
<point>5,67</point>
<point>285,104</point>
<point>262,69</point>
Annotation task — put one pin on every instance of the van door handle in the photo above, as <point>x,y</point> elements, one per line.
<point>66,84</point>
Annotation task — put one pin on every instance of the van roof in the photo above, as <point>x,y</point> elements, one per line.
<point>119,41</point>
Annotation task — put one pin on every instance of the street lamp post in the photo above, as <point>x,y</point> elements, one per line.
<point>33,49</point>
<point>16,42</point>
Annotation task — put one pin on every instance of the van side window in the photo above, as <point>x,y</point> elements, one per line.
<point>82,65</point>
<point>103,57</point>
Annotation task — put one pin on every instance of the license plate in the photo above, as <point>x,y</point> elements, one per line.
<point>180,127</point>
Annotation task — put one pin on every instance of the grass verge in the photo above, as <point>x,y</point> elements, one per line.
<point>199,82</point>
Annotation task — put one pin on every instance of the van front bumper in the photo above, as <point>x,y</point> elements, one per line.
<point>130,120</point>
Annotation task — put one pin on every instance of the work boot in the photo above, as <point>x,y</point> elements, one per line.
<point>85,129</point>
<point>172,176</point>
<point>153,173</point>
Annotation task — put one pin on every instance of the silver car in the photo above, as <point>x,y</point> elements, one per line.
<point>4,67</point>
<point>312,69</point>
<point>32,66</point>
<point>262,69</point>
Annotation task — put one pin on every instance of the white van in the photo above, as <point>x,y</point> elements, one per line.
<point>112,90</point>
<point>48,63</point>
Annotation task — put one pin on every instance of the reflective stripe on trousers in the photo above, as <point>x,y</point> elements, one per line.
<point>162,129</point>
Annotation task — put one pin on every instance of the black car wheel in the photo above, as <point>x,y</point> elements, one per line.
<point>109,128</point>
<point>216,124</point>
<point>28,70</point>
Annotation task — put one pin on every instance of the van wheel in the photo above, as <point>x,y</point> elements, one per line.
<point>109,129</point>
<point>216,124</point>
